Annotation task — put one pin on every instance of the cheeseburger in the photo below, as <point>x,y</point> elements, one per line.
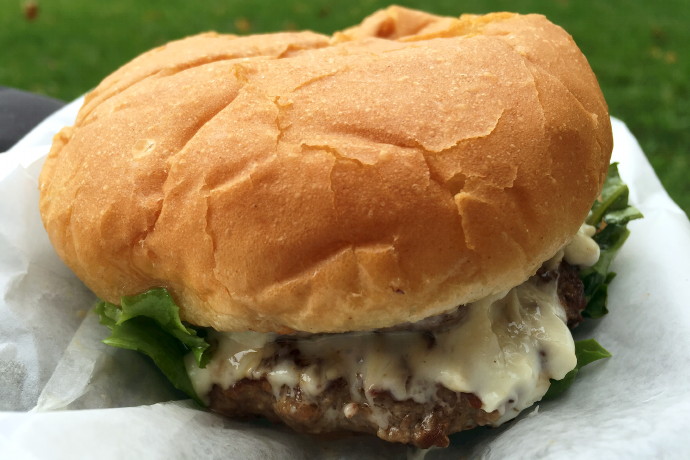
<point>380,231</point>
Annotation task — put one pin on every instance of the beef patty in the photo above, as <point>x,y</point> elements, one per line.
<point>420,424</point>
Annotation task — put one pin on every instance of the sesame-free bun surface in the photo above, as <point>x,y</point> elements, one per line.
<point>296,181</point>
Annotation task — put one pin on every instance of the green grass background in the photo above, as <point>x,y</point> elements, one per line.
<point>640,50</point>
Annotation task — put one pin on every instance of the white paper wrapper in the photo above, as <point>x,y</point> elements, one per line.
<point>53,366</point>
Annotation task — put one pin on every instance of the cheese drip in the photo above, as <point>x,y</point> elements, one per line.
<point>582,249</point>
<point>504,350</point>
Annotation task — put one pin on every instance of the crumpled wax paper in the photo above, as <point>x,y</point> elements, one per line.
<point>63,394</point>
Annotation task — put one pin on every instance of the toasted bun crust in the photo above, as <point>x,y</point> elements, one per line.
<point>301,182</point>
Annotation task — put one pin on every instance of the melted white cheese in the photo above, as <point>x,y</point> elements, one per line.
<point>504,351</point>
<point>582,250</point>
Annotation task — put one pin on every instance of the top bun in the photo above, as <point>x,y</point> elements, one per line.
<point>299,182</point>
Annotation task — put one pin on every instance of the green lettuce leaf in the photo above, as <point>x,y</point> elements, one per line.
<point>150,323</point>
<point>610,214</point>
<point>586,351</point>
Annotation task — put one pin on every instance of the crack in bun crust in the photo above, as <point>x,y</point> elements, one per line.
<point>296,181</point>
